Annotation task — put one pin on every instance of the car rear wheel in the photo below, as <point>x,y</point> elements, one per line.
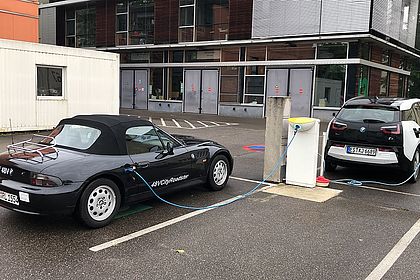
<point>413,169</point>
<point>99,203</point>
<point>218,173</point>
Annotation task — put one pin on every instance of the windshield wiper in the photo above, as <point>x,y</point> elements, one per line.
<point>373,121</point>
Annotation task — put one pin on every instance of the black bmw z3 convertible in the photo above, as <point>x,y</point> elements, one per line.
<point>81,167</point>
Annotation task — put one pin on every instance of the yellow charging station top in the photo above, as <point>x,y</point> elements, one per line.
<point>301,120</point>
<point>303,123</point>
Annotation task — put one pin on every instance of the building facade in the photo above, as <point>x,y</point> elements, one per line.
<point>227,56</point>
<point>19,20</point>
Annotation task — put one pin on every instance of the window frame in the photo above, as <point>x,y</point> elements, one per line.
<point>63,82</point>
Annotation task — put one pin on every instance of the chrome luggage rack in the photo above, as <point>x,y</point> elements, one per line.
<point>34,148</point>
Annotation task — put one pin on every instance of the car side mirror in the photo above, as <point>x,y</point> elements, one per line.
<point>334,114</point>
<point>170,148</point>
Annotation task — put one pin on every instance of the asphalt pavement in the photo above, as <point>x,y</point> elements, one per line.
<point>264,236</point>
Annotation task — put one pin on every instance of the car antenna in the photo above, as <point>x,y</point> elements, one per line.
<point>11,130</point>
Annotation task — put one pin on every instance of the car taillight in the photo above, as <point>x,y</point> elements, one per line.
<point>42,180</point>
<point>338,125</point>
<point>338,145</point>
<point>392,129</point>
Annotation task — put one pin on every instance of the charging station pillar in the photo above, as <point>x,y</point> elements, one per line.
<point>302,155</point>
<point>276,126</point>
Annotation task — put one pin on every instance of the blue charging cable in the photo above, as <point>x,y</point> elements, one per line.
<point>131,169</point>
<point>356,183</point>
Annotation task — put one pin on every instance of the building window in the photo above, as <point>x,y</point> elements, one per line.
<point>49,82</point>
<point>212,22</point>
<point>332,51</point>
<point>175,83</point>
<point>186,20</point>
<point>81,27</point>
<point>156,84</point>
<point>202,56</point>
<point>383,89</point>
<point>290,51</point>
<point>203,20</point>
<point>254,89</point>
<point>255,53</point>
<point>230,54</point>
<point>135,22</point>
<point>229,85</point>
<point>329,85</point>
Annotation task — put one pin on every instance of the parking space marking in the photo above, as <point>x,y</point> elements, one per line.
<point>203,124</point>
<point>145,231</point>
<point>163,122</point>
<point>176,123</point>
<point>395,253</point>
<point>215,123</point>
<point>190,124</point>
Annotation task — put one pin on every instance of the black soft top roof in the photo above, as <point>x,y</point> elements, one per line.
<point>112,127</point>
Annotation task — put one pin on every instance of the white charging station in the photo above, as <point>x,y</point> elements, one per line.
<point>302,154</point>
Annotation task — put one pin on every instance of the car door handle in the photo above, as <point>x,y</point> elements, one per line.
<point>143,164</point>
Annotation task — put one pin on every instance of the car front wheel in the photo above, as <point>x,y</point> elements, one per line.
<point>218,173</point>
<point>99,203</point>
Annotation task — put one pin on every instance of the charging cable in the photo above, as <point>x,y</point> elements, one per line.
<point>279,161</point>
<point>356,183</point>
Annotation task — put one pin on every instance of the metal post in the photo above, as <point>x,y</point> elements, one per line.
<point>276,127</point>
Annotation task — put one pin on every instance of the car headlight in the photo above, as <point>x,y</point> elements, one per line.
<point>43,180</point>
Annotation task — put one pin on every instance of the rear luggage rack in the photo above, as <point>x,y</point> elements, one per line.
<point>30,148</point>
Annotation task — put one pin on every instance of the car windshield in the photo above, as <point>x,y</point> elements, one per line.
<point>74,136</point>
<point>369,114</point>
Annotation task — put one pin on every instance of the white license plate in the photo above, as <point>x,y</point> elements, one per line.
<point>8,197</point>
<point>361,151</point>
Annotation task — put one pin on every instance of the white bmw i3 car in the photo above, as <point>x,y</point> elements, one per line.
<point>376,131</point>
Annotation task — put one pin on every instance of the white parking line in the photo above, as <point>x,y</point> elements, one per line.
<point>190,124</point>
<point>395,253</point>
<point>176,123</point>
<point>215,123</point>
<point>203,124</point>
<point>163,122</point>
<point>145,231</point>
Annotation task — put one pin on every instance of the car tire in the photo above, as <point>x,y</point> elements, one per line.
<point>412,166</point>
<point>99,203</point>
<point>329,166</point>
<point>218,173</point>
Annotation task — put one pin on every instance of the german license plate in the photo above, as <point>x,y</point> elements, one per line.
<point>361,151</point>
<point>8,197</point>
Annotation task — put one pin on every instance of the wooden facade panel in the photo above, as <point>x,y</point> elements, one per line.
<point>393,84</point>
<point>374,82</point>
<point>166,21</point>
<point>240,19</point>
<point>105,23</point>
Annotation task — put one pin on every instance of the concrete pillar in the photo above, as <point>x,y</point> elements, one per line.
<point>276,127</point>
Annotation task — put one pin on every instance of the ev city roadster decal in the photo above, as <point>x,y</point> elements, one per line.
<point>166,182</point>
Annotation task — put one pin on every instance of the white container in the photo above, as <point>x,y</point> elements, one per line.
<point>90,84</point>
